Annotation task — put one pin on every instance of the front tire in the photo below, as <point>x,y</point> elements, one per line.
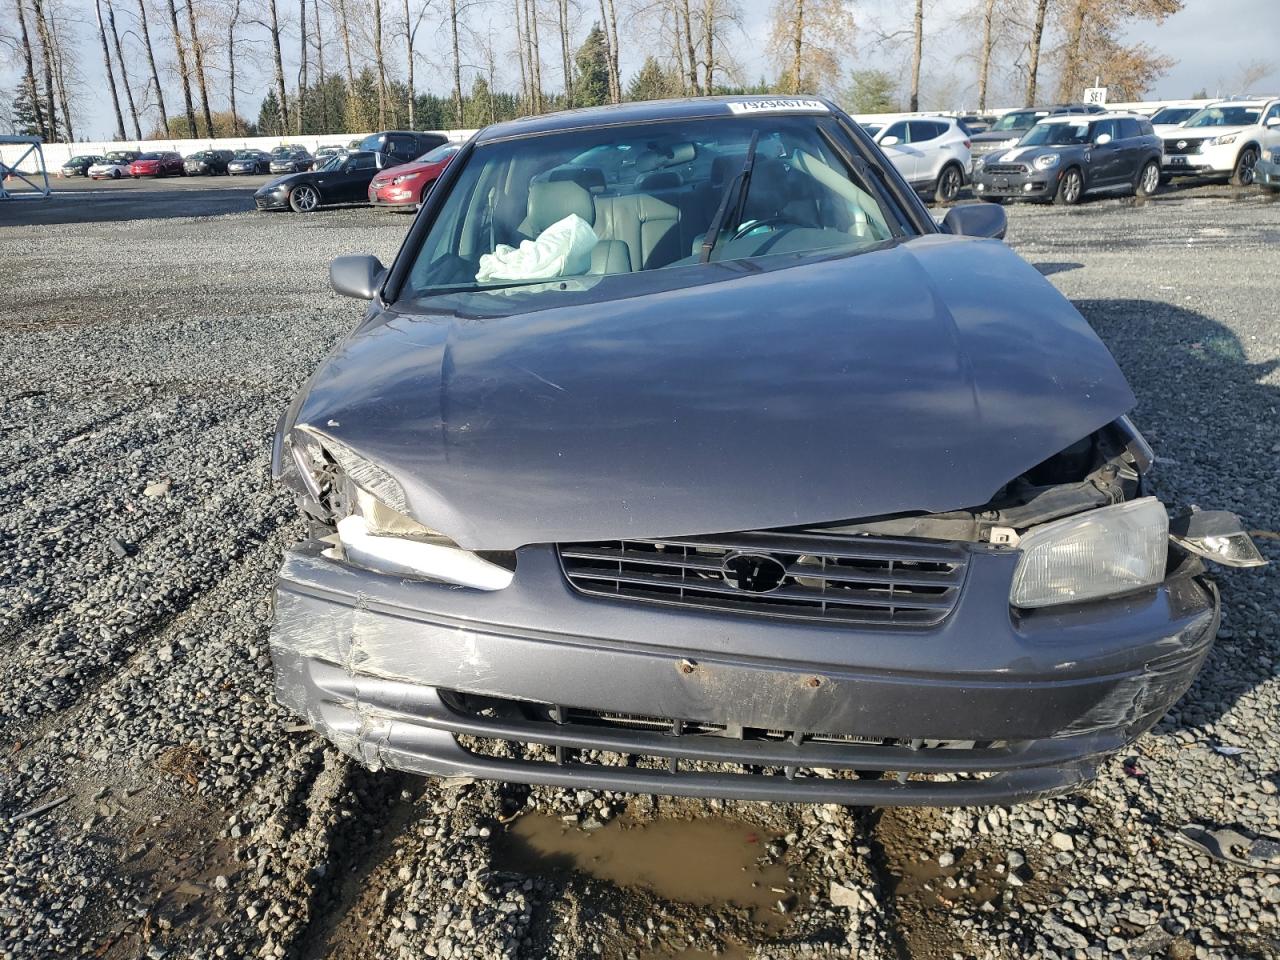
<point>1070,188</point>
<point>303,198</point>
<point>950,182</point>
<point>115,174</point>
<point>1242,175</point>
<point>1148,180</point>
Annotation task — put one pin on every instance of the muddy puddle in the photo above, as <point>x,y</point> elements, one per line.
<point>699,861</point>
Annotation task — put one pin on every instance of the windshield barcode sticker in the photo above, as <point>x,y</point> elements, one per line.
<point>776,105</point>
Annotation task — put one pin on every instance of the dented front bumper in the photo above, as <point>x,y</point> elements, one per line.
<point>990,706</point>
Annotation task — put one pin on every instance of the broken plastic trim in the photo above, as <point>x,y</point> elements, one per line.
<point>363,473</point>
<point>1216,535</point>
<point>401,556</point>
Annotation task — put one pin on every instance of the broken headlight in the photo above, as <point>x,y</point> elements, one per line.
<point>374,530</point>
<point>1096,554</point>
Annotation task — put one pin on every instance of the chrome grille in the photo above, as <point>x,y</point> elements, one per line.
<point>856,579</point>
<point>1190,145</point>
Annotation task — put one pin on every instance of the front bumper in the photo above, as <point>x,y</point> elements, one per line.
<point>1266,172</point>
<point>392,197</point>
<point>275,200</point>
<point>539,684</point>
<point>1033,185</point>
<point>1206,162</point>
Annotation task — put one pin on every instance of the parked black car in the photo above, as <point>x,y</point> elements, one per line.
<point>344,179</point>
<point>400,146</point>
<point>727,456</point>
<point>78,166</point>
<point>323,154</point>
<point>207,162</point>
<point>249,161</point>
<point>290,159</point>
<point>1063,158</point>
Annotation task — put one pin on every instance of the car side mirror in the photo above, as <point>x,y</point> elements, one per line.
<point>889,141</point>
<point>1103,139</point>
<point>1273,122</point>
<point>976,220</point>
<point>359,276</point>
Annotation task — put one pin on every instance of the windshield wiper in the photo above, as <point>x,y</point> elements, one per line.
<point>733,202</point>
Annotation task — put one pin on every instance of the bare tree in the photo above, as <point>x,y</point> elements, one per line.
<point>151,59</point>
<point>179,47</point>
<point>46,57</point>
<point>411,25</point>
<point>984,52</point>
<point>535,57</point>
<point>324,89</point>
<point>1033,61</point>
<point>917,51</point>
<point>615,75</point>
<point>106,63</point>
<point>566,56</point>
<point>379,63</point>
<point>232,22</point>
<point>278,61</point>
<point>299,107</point>
<point>29,62</point>
<point>715,19</point>
<point>198,49</point>
<point>691,53</point>
<point>807,40</point>
<point>1253,72</point>
<point>60,77</point>
<point>522,52</point>
<point>124,73</point>
<point>1094,44</point>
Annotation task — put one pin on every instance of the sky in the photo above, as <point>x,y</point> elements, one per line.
<point>1209,39</point>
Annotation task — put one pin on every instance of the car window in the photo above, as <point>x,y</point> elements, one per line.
<point>1228,116</point>
<point>1173,114</point>
<point>1130,129</point>
<point>1016,120</point>
<point>1057,133</point>
<point>362,161</point>
<point>923,131</point>
<point>898,130</point>
<point>1109,127</point>
<point>442,152</point>
<point>1273,113</point>
<point>686,194</point>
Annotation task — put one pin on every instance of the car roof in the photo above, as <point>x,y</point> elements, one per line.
<point>1091,117</point>
<point>650,111</point>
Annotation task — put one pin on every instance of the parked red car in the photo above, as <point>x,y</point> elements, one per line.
<point>407,185</point>
<point>163,164</point>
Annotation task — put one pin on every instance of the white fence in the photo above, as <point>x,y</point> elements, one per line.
<point>56,154</point>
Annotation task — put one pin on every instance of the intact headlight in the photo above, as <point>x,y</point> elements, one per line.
<point>1101,553</point>
<point>1046,161</point>
<point>405,176</point>
<point>1223,140</point>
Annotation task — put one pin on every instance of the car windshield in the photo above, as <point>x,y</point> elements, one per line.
<point>81,160</point>
<point>246,155</point>
<point>1173,114</point>
<point>1225,117</point>
<point>203,155</point>
<point>1017,120</point>
<point>117,157</point>
<point>150,156</point>
<point>1058,133</point>
<point>333,162</point>
<point>620,200</point>
<point>442,152</point>
<point>373,142</point>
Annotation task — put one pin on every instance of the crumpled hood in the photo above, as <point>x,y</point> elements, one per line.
<point>918,377</point>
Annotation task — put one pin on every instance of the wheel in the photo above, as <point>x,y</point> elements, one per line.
<point>115,174</point>
<point>1070,188</point>
<point>949,183</point>
<point>1148,180</point>
<point>1242,176</point>
<point>303,198</point>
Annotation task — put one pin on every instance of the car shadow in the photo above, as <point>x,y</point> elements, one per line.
<point>1213,417</point>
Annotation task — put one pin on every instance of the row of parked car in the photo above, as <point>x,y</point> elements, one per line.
<point>1063,153</point>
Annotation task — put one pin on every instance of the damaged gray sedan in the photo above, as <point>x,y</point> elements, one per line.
<point>681,451</point>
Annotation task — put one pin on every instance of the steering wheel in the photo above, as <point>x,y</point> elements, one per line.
<point>750,227</point>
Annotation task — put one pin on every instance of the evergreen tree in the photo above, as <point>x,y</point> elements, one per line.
<point>653,82</point>
<point>268,117</point>
<point>591,85</point>
<point>24,115</point>
<point>871,91</point>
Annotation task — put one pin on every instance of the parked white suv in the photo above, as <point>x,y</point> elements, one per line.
<point>931,153</point>
<point>1223,139</point>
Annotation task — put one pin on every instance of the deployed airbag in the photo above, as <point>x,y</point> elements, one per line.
<point>561,250</point>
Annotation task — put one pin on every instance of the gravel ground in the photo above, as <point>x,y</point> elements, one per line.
<point>191,817</point>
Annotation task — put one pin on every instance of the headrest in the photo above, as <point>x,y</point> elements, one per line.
<point>725,167</point>
<point>660,180</point>
<point>555,200</point>
<point>590,177</point>
<point>668,156</point>
<point>767,194</point>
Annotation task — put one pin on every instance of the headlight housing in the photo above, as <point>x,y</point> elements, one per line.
<point>1223,140</point>
<point>1046,161</point>
<point>405,176</point>
<point>1101,553</point>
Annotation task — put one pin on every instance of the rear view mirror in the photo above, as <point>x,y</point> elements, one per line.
<point>358,277</point>
<point>1103,139</point>
<point>889,141</point>
<point>976,220</point>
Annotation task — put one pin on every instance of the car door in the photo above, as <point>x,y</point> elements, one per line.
<point>898,149</point>
<point>1133,149</point>
<point>351,183</point>
<point>1106,165</point>
<point>927,142</point>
